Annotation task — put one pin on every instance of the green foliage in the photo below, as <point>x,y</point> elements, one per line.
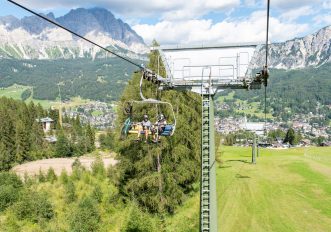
<point>98,167</point>
<point>10,187</point>
<point>64,176</point>
<point>179,155</point>
<point>69,192</point>
<point>138,221</point>
<point>97,193</point>
<point>114,174</point>
<point>62,146</point>
<point>276,134</point>
<point>41,176</point>
<point>107,141</point>
<point>292,137</point>
<point>51,176</point>
<point>26,94</point>
<point>33,206</point>
<point>8,178</point>
<point>90,133</point>
<point>85,216</point>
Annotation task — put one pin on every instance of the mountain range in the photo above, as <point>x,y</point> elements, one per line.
<point>35,38</point>
<point>312,50</point>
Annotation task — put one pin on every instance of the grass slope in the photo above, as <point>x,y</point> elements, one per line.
<point>288,190</point>
<point>15,92</point>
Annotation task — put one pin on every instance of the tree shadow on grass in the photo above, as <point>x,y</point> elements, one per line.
<point>241,176</point>
<point>226,166</point>
<point>243,161</point>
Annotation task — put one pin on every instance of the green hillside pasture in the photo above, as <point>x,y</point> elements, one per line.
<point>287,190</point>
<point>249,108</point>
<point>15,92</point>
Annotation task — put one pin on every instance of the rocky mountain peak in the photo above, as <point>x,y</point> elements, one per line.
<point>311,50</point>
<point>80,20</point>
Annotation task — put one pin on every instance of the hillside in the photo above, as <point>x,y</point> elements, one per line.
<point>101,79</point>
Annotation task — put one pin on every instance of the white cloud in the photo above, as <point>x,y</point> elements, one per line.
<point>251,29</point>
<point>165,9</point>
<point>327,4</point>
<point>293,14</point>
<point>288,4</point>
<point>323,19</point>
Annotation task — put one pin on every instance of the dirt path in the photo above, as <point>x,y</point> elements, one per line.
<point>58,164</point>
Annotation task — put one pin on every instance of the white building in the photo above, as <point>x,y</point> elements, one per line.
<point>46,123</point>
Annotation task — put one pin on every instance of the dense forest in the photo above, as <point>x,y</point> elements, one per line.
<point>292,92</point>
<point>22,136</point>
<point>99,79</point>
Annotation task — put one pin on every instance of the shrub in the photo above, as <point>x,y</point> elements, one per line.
<point>114,174</point>
<point>10,187</point>
<point>98,167</point>
<point>33,206</point>
<point>77,169</point>
<point>137,221</point>
<point>41,176</point>
<point>70,192</point>
<point>64,176</point>
<point>51,176</point>
<point>8,178</point>
<point>97,193</point>
<point>85,217</point>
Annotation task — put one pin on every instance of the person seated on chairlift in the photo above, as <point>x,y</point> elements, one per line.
<point>160,125</point>
<point>145,126</point>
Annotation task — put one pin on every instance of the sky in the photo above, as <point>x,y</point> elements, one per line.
<point>200,21</point>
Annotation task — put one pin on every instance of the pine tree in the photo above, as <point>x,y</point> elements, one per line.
<point>7,136</point>
<point>4,158</point>
<point>290,136</point>
<point>22,142</point>
<point>90,136</point>
<point>62,146</point>
<point>37,136</point>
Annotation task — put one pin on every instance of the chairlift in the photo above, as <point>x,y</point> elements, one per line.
<point>132,127</point>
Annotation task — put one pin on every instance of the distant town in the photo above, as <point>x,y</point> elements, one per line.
<point>100,115</point>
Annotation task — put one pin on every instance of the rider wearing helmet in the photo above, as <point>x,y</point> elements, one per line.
<point>160,125</point>
<point>145,126</point>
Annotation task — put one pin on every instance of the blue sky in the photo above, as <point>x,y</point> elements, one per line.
<point>200,21</point>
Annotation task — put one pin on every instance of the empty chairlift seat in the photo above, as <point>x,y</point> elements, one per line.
<point>167,130</point>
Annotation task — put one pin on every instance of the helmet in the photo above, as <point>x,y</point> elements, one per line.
<point>145,116</point>
<point>161,116</point>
